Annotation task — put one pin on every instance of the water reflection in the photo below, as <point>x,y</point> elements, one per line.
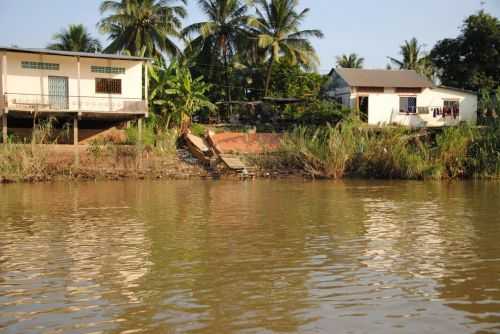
<point>222,257</point>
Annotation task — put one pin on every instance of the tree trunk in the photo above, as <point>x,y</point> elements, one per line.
<point>228,86</point>
<point>268,75</point>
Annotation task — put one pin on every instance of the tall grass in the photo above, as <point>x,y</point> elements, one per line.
<point>322,152</point>
<point>393,152</point>
<point>28,162</point>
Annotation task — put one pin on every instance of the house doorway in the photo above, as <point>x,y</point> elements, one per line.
<point>58,93</point>
<point>363,107</point>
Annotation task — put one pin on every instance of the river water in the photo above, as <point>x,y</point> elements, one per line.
<point>252,257</point>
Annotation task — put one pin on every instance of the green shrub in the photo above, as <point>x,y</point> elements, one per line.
<point>148,135</point>
<point>198,129</point>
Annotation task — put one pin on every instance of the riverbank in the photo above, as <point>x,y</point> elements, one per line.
<point>330,152</point>
<point>45,163</point>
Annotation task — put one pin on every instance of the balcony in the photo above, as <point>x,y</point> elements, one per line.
<point>73,104</point>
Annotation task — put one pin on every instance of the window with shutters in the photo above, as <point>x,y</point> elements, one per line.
<point>108,86</point>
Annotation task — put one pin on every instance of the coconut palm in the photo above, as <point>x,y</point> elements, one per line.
<point>136,24</point>
<point>350,61</point>
<point>414,58</point>
<point>75,38</point>
<point>217,39</point>
<point>277,27</point>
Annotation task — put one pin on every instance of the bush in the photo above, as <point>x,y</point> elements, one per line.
<point>321,112</point>
<point>198,129</point>
<point>148,135</point>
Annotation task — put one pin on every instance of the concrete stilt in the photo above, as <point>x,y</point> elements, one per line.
<point>139,130</point>
<point>4,127</point>
<point>75,130</point>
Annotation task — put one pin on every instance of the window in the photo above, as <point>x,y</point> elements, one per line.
<point>107,69</point>
<point>36,65</point>
<point>408,104</point>
<point>108,86</point>
<point>451,108</point>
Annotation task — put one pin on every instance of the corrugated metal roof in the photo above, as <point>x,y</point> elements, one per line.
<point>383,78</point>
<point>73,54</point>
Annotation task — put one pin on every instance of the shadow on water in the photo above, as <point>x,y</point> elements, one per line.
<point>264,256</point>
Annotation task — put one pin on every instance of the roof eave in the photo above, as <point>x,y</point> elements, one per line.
<point>457,89</point>
<point>76,54</point>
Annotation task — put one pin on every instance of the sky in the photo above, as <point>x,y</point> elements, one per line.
<point>374,29</point>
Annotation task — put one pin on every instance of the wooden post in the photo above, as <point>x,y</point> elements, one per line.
<point>4,127</point>
<point>75,130</point>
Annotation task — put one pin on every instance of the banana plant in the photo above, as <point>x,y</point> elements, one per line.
<point>177,95</point>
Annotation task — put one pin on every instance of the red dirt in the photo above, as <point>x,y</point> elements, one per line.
<point>245,143</point>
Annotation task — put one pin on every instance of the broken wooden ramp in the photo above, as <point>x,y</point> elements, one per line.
<point>233,162</point>
<point>199,148</point>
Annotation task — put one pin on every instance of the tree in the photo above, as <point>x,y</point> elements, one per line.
<point>471,61</point>
<point>217,39</point>
<point>292,81</point>
<point>135,25</point>
<point>414,58</point>
<point>277,27</point>
<point>177,94</point>
<point>75,38</point>
<point>350,61</point>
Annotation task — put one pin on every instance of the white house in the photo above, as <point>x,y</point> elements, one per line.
<point>401,97</point>
<point>93,91</point>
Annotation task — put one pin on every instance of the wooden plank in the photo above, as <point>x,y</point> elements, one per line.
<point>233,162</point>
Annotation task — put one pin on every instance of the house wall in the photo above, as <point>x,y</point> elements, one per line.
<point>33,81</point>
<point>384,107</point>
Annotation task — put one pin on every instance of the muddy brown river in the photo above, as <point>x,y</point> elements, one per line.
<point>252,257</point>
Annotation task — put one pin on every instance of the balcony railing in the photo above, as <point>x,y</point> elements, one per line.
<point>56,103</point>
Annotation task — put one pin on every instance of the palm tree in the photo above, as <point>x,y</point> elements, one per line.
<point>350,61</point>
<point>148,25</point>
<point>75,38</point>
<point>218,38</point>
<point>277,27</point>
<point>414,58</point>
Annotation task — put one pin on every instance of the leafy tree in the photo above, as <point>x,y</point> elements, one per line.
<point>414,58</point>
<point>177,94</point>
<point>472,60</point>
<point>277,27</point>
<point>292,81</point>
<point>350,61</point>
<point>135,25</point>
<point>217,39</point>
<point>75,38</point>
